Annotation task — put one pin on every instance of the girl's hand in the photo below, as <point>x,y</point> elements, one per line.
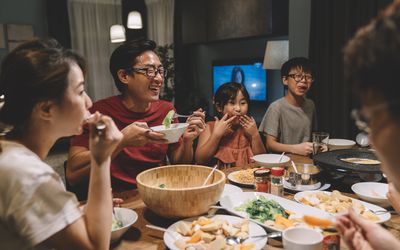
<point>249,125</point>
<point>196,126</point>
<point>103,143</point>
<point>221,126</point>
<point>360,234</point>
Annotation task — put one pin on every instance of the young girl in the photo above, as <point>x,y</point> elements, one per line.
<point>233,139</point>
<point>43,87</point>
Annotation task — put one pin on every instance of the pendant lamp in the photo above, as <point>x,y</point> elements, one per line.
<point>117,33</point>
<point>134,20</point>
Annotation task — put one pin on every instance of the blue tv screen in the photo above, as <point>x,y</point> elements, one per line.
<point>251,74</point>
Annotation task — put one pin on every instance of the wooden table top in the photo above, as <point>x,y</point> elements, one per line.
<point>141,237</point>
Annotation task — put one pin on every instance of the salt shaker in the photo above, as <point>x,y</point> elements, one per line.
<point>277,181</point>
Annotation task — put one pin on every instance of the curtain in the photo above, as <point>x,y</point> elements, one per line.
<point>333,23</point>
<point>90,22</point>
<point>160,19</point>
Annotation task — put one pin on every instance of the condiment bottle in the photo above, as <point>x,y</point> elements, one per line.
<point>277,181</point>
<point>261,179</point>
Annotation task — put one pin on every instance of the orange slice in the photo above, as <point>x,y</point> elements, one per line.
<point>317,222</point>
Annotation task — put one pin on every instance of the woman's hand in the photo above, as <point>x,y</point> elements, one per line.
<point>360,234</point>
<point>197,125</point>
<point>249,125</point>
<point>103,143</point>
<point>138,134</point>
<point>394,197</point>
<point>221,126</point>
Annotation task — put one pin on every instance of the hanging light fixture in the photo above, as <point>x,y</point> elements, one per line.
<point>134,20</point>
<point>276,53</point>
<point>117,33</point>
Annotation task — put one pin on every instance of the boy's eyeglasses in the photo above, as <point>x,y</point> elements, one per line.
<point>299,77</point>
<point>150,72</point>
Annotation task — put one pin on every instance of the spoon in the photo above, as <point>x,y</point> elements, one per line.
<point>235,240</point>
<point>294,167</point>
<point>280,158</point>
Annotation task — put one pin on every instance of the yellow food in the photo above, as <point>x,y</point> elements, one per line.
<point>245,176</point>
<point>335,203</point>
<point>317,222</point>
<point>364,161</point>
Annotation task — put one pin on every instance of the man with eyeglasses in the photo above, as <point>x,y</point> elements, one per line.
<point>289,121</point>
<point>372,65</point>
<point>139,75</point>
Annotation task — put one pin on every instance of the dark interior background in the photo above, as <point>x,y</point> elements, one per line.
<point>208,30</point>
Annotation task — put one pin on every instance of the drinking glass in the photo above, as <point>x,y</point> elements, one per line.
<point>320,142</point>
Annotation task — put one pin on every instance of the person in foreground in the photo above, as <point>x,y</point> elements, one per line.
<point>43,87</point>
<point>139,75</point>
<point>372,64</point>
<point>289,121</point>
<point>233,138</point>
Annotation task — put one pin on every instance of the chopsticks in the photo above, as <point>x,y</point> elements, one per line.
<point>209,175</point>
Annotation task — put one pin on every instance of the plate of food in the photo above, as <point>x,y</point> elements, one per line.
<point>335,203</point>
<point>211,233</point>
<point>270,211</point>
<point>229,189</point>
<point>243,178</point>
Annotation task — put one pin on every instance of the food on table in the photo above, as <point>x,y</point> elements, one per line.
<point>364,161</point>
<point>245,176</point>
<point>206,233</point>
<point>335,203</point>
<point>317,222</point>
<point>168,119</point>
<point>262,209</point>
<point>116,224</point>
<point>162,185</point>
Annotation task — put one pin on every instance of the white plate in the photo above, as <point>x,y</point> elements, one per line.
<point>170,236</point>
<point>372,207</point>
<point>230,189</point>
<point>335,144</point>
<point>271,160</point>
<point>232,201</point>
<point>374,192</point>
<point>299,188</point>
<point>231,178</point>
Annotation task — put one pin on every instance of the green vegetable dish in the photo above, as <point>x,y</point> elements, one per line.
<point>262,209</point>
<point>116,224</point>
<point>168,119</point>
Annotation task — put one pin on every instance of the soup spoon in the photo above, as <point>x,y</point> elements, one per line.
<point>234,240</point>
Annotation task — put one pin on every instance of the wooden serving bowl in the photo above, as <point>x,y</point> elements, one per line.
<point>183,195</point>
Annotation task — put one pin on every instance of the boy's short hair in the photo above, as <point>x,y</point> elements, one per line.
<point>297,62</point>
<point>124,57</point>
<point>372,58</point>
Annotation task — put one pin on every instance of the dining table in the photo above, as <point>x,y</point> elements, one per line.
<point>141,237</point>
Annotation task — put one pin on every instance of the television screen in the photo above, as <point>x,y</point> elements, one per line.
<point>251,74</point>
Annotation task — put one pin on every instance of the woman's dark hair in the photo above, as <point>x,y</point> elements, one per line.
<point>125,57</point>
<point>297,62</point>
<point>372,58</point>
<point>236,72</point>
<point>35,71</point>
<point>226,92</point>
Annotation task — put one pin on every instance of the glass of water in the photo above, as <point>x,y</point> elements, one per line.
<point>320,142</point>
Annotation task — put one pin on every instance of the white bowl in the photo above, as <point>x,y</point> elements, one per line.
<point>271,160</point>
<point>335,144</point>
<point>301,238</point>
<point>373,192</point>
<point>173,133</point>
<point>127,217</point>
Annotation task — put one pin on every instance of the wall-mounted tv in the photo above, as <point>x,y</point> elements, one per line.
<point>248,72</point>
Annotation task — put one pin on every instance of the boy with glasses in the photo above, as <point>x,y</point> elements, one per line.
<point>372,63</point>
<point>139,75</point>
<point>289,121</point>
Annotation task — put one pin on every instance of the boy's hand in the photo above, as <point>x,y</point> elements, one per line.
<point>221,126</point>
<point>249,125</point>
<point>304,148</point>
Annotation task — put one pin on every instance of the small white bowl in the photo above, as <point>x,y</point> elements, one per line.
<point>173,133</point>
<point>301,238</point>
<point>127,217</point>
<point>271,160</point>
<point>335,144</point>
<point>373,192</point>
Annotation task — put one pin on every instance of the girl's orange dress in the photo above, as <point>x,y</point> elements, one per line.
<point>234,148</point>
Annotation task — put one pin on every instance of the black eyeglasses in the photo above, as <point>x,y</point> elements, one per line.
<point>299,77</point>
<point>150,72</point>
